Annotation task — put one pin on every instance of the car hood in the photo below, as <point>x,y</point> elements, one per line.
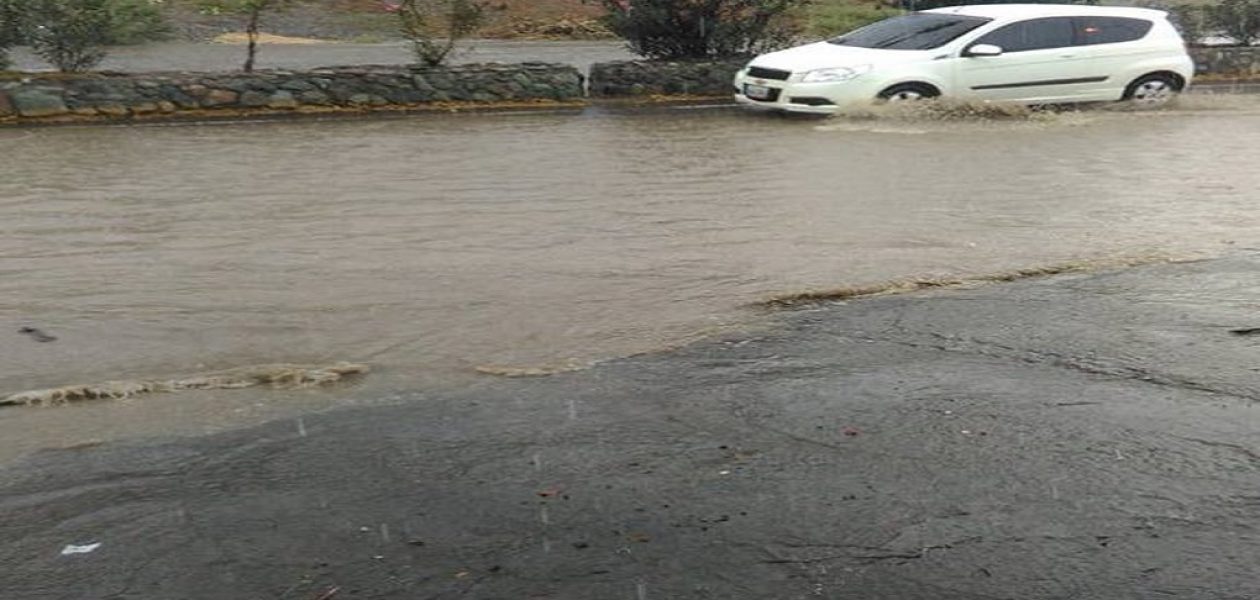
<point>825,55</point>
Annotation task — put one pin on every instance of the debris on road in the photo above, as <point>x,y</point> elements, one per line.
<point>37,334</point>
<point>71,549</point>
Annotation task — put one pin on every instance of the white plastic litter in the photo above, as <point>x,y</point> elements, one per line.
<point>84,549</point>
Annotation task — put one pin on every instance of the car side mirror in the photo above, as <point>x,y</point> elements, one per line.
<point>984,50</point>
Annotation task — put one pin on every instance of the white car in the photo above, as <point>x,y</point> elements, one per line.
<point>1021,53</point>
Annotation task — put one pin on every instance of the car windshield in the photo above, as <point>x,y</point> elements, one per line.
<point>917,31</point>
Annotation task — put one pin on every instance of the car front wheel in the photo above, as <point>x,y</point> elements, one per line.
<point>907,92</point>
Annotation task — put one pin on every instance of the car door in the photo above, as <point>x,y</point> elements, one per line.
<point>1040,62</point>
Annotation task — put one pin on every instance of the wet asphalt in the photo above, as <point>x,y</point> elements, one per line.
<point>1091,436</point>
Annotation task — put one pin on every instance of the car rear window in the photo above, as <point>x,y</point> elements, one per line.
<point>1110,30</point>
<point>915,31</point>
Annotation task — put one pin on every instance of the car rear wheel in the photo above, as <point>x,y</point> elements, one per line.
<point>908,92</point>
<point>1150,91</point>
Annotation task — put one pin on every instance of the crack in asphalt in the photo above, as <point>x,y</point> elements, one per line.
<point>871,554</point>
<point>1250,454</point>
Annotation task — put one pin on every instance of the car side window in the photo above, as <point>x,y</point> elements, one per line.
<point>1034,34</point>
<point>1110,30</point>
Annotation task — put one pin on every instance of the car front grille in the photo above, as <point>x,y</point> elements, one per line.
<point>764,73</point>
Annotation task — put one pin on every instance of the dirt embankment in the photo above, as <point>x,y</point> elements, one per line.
<point>370,20</point>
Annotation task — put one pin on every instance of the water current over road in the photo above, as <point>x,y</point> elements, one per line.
<point>432,245</point>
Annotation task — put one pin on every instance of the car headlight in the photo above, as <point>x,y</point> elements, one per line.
<point>834,75</point>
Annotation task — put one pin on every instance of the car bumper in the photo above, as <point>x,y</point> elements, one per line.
<point>808,98</point>
<point>786,106</point>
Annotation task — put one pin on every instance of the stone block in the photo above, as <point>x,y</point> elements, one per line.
<point>255,99</point>
<point>314,97</point>
<point>217,97</point>
<point>422,84</point>
<point>183,100</point>
<point>297,85</point>
<point>38,102</point>
<point>113,110</point>
<point>282,99</point>
<point>236,85</point>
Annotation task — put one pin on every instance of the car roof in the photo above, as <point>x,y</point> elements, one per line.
<point>1024,11</point>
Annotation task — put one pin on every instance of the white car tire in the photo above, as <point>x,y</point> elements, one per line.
<point>1152,91</point>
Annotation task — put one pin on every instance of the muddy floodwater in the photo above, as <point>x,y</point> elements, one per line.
<point>431,246</point>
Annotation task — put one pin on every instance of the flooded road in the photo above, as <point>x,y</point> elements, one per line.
<point>434,245</point>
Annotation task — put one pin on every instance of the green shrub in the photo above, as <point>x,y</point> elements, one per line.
<point>833,17</point>
<point>68,33</point>
<point>674,29</point>
<point>12,20</point>
<point>1192,20</point>
<point>434,26</point>
<point>1189,17</point>
<point>1238,19</point>
<point>135,22</point>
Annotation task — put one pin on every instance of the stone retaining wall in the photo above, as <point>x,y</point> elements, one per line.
<point>648,78</point>
<point>121,96</point>
<point>1227,62</point>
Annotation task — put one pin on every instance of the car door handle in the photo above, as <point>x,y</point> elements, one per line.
<point>1067,56</point>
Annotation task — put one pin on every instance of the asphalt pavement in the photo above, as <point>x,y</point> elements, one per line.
<point>1086,436</point>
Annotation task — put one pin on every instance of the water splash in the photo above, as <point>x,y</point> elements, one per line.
<point>535,371</point>
<point>274,375</point>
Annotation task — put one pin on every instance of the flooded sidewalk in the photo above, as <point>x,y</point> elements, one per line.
<point>1091,436</point>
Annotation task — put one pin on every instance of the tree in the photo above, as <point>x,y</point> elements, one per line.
<point>1192,20</point>
<point>674,29</point>
<point>434,26</point>
<point>1239,19</point>
<point>69,34</point>
<point>252,11</point>
<point>12,25</point>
